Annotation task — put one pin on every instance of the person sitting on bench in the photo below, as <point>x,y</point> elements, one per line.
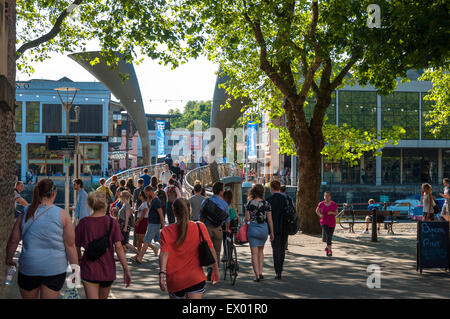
<point>380,219</point>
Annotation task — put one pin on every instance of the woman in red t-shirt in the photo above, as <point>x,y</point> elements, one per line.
<point>98,275</point>
<point>327,211</point>
<point>181,274</point>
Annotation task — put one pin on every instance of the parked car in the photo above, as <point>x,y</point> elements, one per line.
<point>405,207</point>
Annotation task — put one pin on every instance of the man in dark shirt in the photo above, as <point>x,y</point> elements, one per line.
<point>278,203</point>
<point>136,201</point>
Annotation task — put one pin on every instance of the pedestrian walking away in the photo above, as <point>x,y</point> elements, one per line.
<point>278,203</point>
<point>19,202</point>
<point>196,202</point>
<point>48,244</point>
<point>155,223</point>
<point>146,177</point>
<point>445,213</point>
<point>141,222</point>
<point>258,215</point>
<point>181,274</point>
<point>172,193</point>
<point>98,275</point>
<point>327,211</point>
<point>209,207</point>
<point>82,208</point>
<point>125,218</point>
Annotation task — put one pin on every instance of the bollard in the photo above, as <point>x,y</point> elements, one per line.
<point>374,226</point>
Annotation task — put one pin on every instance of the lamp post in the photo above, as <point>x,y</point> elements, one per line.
<point>70,94</point>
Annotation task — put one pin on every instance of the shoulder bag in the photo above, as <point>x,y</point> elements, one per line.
<point>98,247</point>
<point>204,252</point>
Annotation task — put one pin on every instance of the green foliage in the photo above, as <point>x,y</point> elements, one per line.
<point>439,96</point>
<point>194,110</point>
<point>134,28</point>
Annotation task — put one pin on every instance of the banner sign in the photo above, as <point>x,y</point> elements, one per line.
<point>195,143</point>
<point>161,138</point>
<point>251,146</point>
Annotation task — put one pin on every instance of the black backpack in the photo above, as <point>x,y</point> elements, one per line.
<point>98,247</point>
<point>213,213</point>
<point>291,222</point>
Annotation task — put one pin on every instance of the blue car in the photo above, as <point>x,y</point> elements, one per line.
<point>405,207</point>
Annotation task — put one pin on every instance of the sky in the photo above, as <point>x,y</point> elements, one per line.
<point>161,88</point>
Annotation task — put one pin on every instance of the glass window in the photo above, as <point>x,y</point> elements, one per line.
<point>91,159</point>
<point>402,109</point>
<point>446,163</point>
<point>32,117</point>
<point>52,118</point>
<point>330,112</point>
<point>420,165</point>
<point>390,166</point>
<point>18,117</point>
<point>43,162</point>
<point>426,134</point>
<point>358,109</point>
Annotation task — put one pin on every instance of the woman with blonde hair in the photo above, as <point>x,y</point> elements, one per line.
<point>427,200</point>
<point>258,214</point>
<point>180,271</point>
<point>125,216</point>
<point>98,275</point>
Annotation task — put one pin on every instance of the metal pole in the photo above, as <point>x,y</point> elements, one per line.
<point>374,225</point>
<point>67,155</point>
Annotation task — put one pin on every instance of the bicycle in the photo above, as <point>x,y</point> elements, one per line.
<point>229,261</point>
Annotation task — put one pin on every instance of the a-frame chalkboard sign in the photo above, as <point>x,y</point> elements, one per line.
<point>433,245</point>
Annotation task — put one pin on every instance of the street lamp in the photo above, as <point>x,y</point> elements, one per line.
<point>70,94</point>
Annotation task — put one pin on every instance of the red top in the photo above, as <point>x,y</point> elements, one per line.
<point>183,265</point>
<point>329,220</point>
<point>89,229</point>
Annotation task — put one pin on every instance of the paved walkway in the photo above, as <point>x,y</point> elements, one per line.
<point>309,273</point>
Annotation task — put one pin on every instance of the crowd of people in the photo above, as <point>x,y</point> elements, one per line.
<point>162,217</point>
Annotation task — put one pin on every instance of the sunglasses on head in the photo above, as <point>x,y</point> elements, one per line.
<point>49,193</point>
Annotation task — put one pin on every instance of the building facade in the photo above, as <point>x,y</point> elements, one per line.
<point>418,158</point>
<point>39,114</point>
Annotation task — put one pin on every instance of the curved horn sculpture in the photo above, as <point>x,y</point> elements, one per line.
<point>127,90</point>
<point>223,119</point>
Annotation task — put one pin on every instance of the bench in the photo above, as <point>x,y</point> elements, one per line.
<point>352,217</point>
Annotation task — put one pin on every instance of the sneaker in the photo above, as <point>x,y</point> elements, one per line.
<point>329,253</point>
<point>278,277</point>
<point>365,231</point>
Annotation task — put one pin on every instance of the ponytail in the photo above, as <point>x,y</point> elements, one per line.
<point>44,188</point>
<point>181,212</point>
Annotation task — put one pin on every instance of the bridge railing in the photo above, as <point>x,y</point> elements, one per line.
<point>203,174</point>
<point>134,173</point>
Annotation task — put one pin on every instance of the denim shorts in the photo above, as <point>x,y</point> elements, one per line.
<point>152,233</point>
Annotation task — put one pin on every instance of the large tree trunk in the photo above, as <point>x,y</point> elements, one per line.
<point>308,188</point>
<point>8,153</point>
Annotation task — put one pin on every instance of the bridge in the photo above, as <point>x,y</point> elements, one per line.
<point>207,175</point>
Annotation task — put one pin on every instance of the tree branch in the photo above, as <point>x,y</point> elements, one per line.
<point>340,77</point>
<point>51,34</point>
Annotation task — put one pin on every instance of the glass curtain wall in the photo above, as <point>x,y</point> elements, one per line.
<point>18,117</point>
<point>426,134</point>
<point>445,163</point>
<point>390,168</point>
<point>91,159</point>
<point>402,109</point>
<point>420,165</point>
<point>358,109</point>
<point>43,162</point>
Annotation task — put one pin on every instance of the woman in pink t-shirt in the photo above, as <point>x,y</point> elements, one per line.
<point>327,211</point>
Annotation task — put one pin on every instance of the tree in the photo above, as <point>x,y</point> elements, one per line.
<point>194,110</point>
<point>439,96</point>
<point>279,53</point>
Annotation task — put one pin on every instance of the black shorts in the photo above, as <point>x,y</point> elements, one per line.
<point>102,284</point>
<point>198,288</point>
<point>29,283</point>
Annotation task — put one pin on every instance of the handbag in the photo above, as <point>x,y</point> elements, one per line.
<point>436,208</point>
<point>71,293</point>
<point>241,235</point>
<point>204,252</point>
<point>99,246</point>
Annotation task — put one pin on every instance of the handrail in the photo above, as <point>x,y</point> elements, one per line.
<point>202,173</point>
<point>154,170</point>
